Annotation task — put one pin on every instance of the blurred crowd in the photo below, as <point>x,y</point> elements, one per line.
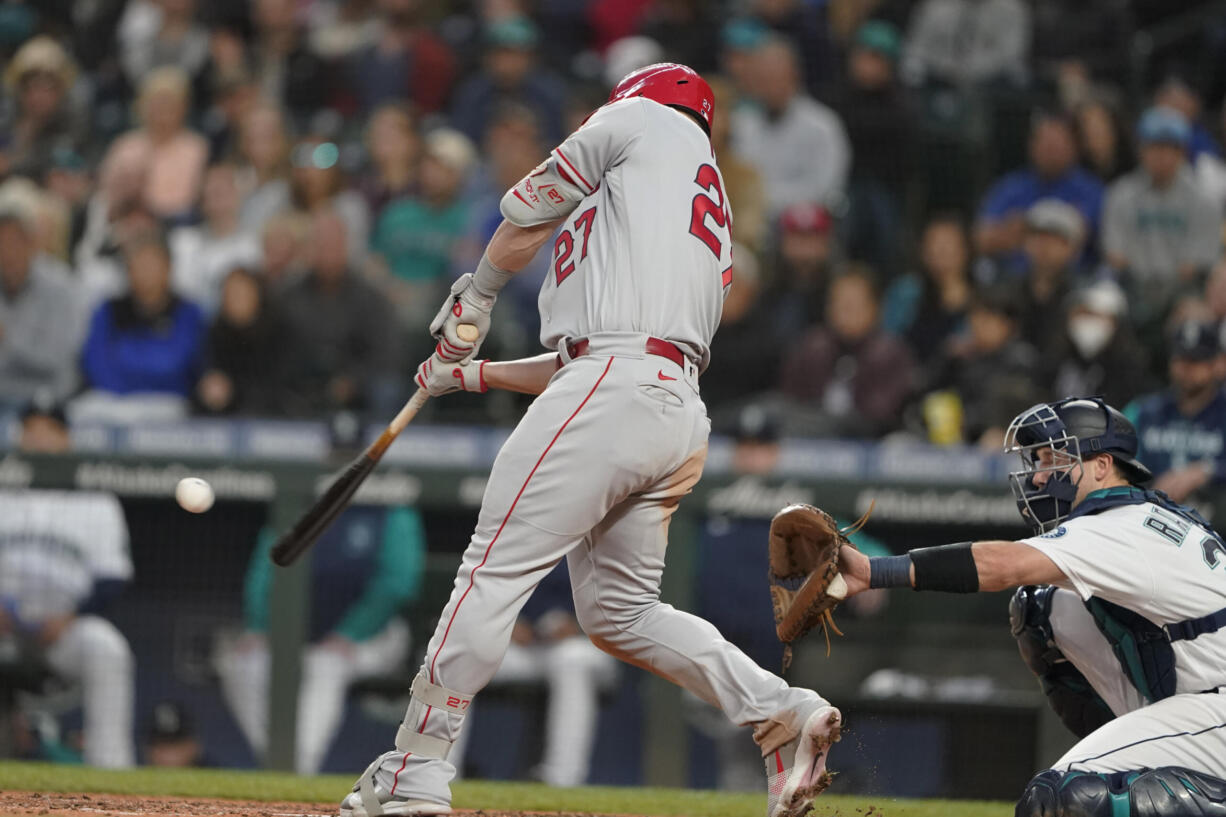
<point>945,210</point>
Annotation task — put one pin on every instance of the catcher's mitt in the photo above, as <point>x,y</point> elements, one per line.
<point>805,582</point>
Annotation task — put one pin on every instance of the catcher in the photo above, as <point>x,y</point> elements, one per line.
<point>1152,623</point>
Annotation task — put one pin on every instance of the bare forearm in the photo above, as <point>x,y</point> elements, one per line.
<point>998,565</point>
<point>513,247</point>
<point>527,375</point>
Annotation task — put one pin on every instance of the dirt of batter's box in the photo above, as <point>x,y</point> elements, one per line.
<point>14,803</point>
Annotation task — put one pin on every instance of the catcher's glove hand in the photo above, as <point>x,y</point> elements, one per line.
<point>805,582</point>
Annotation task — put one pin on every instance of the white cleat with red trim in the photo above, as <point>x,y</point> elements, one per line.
<point>796,772</point>
<point>385,788</point>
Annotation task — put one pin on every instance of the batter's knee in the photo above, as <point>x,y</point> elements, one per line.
<point>610,624</point>
<point>1169,791</point>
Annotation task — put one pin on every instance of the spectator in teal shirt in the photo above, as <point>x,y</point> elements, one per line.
<point>416,236</point>
<point>364,569</point>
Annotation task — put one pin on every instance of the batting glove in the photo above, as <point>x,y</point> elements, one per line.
<point>438,376</point>
<point>464,304</point>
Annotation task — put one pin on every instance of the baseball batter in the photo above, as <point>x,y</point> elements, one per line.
<point>1137,615</point>
<point>617,436</point>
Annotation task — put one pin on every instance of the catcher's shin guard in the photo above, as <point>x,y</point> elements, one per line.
<point>1079,707</point>
<point>1169,791</point>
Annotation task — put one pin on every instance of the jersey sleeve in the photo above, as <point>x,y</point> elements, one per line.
<point>1098,561</point>
<point>575,168</point>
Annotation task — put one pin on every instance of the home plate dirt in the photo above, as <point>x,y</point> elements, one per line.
<point>14,803</point>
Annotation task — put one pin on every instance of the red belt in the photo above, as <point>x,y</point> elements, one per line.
<point>654,346</point>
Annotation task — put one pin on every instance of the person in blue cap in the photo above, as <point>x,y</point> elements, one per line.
<point>1182,430</point>
<point>1159,229</point>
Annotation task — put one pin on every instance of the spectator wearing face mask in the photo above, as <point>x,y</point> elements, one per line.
<point>1098,352</point>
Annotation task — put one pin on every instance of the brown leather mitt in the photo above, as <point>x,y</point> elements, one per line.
<point>805,582</point>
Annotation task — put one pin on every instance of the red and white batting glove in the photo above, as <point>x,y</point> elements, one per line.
<point>438,376</point>
<point>465,303</point>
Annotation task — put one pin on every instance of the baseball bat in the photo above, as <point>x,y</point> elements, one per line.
<point>334,500</point>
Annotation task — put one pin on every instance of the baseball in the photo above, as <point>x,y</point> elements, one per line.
<point>194,494</point>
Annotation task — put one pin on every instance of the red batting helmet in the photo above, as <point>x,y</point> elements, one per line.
<point>668,83</point>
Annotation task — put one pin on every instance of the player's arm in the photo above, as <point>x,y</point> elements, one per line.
<point>513,247</point>
<point>960,568</point>
<point>527,375</point>
<point>473,294</point>
<point>531,210</point>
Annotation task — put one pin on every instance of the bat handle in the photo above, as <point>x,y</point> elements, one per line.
<point>408,411</point>
<point>469,334</point>
<point>402,419</point>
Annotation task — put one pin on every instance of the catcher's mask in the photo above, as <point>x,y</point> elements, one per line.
<point>1052,439</point>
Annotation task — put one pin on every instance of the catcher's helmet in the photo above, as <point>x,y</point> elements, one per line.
<point>1072,429</point>
<point>669,83</point>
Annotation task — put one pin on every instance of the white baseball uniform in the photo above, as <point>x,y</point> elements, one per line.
<point>1155,563</point>
<point>54,546</point>
<point>597,465</point>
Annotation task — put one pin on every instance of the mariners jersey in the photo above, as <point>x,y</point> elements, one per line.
<point>647,249</point>
<point>1167,439</point>
<point>1153,562</point>
<point>53,546</point>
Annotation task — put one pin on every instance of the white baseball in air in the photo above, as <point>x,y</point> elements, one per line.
<point>194,494</point>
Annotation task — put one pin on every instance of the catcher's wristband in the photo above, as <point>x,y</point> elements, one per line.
<point>889,571</point>
<point>950,568</point>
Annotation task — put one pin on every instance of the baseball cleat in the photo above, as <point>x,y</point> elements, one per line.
<point>796,772</point>
<point>371,798</point>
